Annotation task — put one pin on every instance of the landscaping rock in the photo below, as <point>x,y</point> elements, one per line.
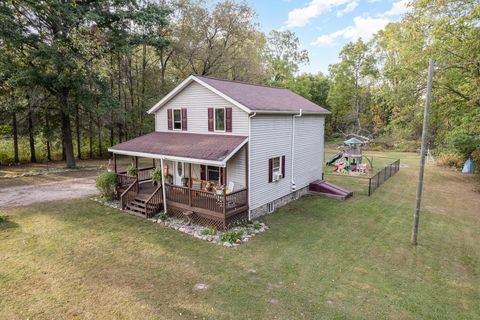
<point>197,231</point>
<point>201,286</point>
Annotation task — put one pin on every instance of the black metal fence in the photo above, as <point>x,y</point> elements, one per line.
<point>382,176</point>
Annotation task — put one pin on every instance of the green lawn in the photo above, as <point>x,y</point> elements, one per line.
<point>320,259</point>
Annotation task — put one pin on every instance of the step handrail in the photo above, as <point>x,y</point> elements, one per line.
<point>153,202</point>
<point>127,192</point>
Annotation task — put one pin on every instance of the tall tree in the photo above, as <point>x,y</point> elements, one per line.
<point>349,95</point>
<point>284,55</point>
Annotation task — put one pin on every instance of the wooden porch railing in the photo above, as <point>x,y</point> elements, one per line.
<point>142,175</point>
<point>154,202</point>
<point>207,200</point>
<point>211,201</point>
<point>129,194</point>
<point>236,200</point>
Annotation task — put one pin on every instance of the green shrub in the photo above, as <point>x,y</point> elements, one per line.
<point>257,226</point>
<point>231,236</point>
<point>106,183</point>
<point>132,171</point>
<point>3,218</point>
<point>449,159</point>
<point>163,217</point>
<point>210,231</point>
<point>156,175</point>
<point>466,144</point>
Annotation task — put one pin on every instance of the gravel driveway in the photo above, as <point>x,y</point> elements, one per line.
<point>59,190</point>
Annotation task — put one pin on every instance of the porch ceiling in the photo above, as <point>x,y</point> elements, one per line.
<point>211,149</point>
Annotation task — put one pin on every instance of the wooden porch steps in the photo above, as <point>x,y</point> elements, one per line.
<point>137,207</point>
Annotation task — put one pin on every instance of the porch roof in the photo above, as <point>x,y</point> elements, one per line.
<point>210,149</point>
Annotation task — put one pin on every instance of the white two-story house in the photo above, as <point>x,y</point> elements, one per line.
<point>229,150</point>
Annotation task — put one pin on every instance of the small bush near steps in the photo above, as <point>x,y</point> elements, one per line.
<point>106,183</point>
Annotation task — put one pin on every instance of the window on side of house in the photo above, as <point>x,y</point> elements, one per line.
<point>177,119</point>
<point>276,165</point>
<point>213,174</point>
<point>219,119</point>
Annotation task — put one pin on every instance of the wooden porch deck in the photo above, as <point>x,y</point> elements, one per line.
<point>141,198</point>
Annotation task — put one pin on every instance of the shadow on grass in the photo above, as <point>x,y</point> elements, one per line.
<point>7,224</point>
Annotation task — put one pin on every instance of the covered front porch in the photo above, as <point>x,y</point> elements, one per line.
<point>209,191</point>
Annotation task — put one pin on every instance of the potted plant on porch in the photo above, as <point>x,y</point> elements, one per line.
<point>132,171</point>
<point>156,175</point>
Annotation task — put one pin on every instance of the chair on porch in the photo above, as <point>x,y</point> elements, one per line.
<point>230,202</point>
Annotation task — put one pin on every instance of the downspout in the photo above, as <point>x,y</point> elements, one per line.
<point>249,157</point>
<point>163,187</point>
<point>292,180</point>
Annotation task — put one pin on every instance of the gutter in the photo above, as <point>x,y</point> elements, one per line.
<point>249,162</point>
<point>292,180</point>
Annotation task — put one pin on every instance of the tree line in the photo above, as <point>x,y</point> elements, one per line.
<point>78,76</point>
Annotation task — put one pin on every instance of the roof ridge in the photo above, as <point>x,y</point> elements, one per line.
<point>241,82</point>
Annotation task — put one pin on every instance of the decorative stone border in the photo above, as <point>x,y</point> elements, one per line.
<point>248,230</point>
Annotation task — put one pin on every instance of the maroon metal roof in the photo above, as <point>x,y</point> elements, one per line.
<point>263,98</point>
<point>210,147</point>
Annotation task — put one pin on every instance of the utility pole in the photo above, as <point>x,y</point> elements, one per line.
<point>416,216</point>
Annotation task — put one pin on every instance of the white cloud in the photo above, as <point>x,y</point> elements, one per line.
<point>398,8</point>
<point>363,28</point>
<point>348,8</point>
<point>299,17</point>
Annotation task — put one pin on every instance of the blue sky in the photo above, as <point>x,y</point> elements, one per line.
<point>324,26</point>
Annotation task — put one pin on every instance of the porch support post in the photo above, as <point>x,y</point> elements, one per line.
<point>153,163</point>
<point>115,163</point>
<point>190,184</point>
<point>163,188</point>
<point>225,192</point>
<point>136,165</point>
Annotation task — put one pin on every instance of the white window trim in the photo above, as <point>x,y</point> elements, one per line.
<point>215,119</point>
<point>279,165</point>
<point>173,119</point>
<point>271,207</point>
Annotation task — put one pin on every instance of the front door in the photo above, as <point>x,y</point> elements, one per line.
<point>179,173</point>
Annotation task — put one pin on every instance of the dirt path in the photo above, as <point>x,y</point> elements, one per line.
<point>59,190</point>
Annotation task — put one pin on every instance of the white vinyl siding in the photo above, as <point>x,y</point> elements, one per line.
<point>271,136</point>
<point>309,149</point>
<point>236,169</point>
<point>197,99</point>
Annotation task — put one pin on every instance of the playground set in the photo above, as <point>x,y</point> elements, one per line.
<point>351,160</point>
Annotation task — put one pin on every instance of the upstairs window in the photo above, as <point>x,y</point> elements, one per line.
<point>219,119</point>
<point>177,119</point>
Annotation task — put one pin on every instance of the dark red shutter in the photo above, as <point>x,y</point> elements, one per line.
<point>228,119</point>
<point>203,172</point>
<point>210,119</point>
<point>169,119</point>
<point>270,170</point>
<point>283,166</point>
<point>184,119</point>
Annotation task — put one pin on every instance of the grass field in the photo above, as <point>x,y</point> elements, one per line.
<point>320,259</point>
